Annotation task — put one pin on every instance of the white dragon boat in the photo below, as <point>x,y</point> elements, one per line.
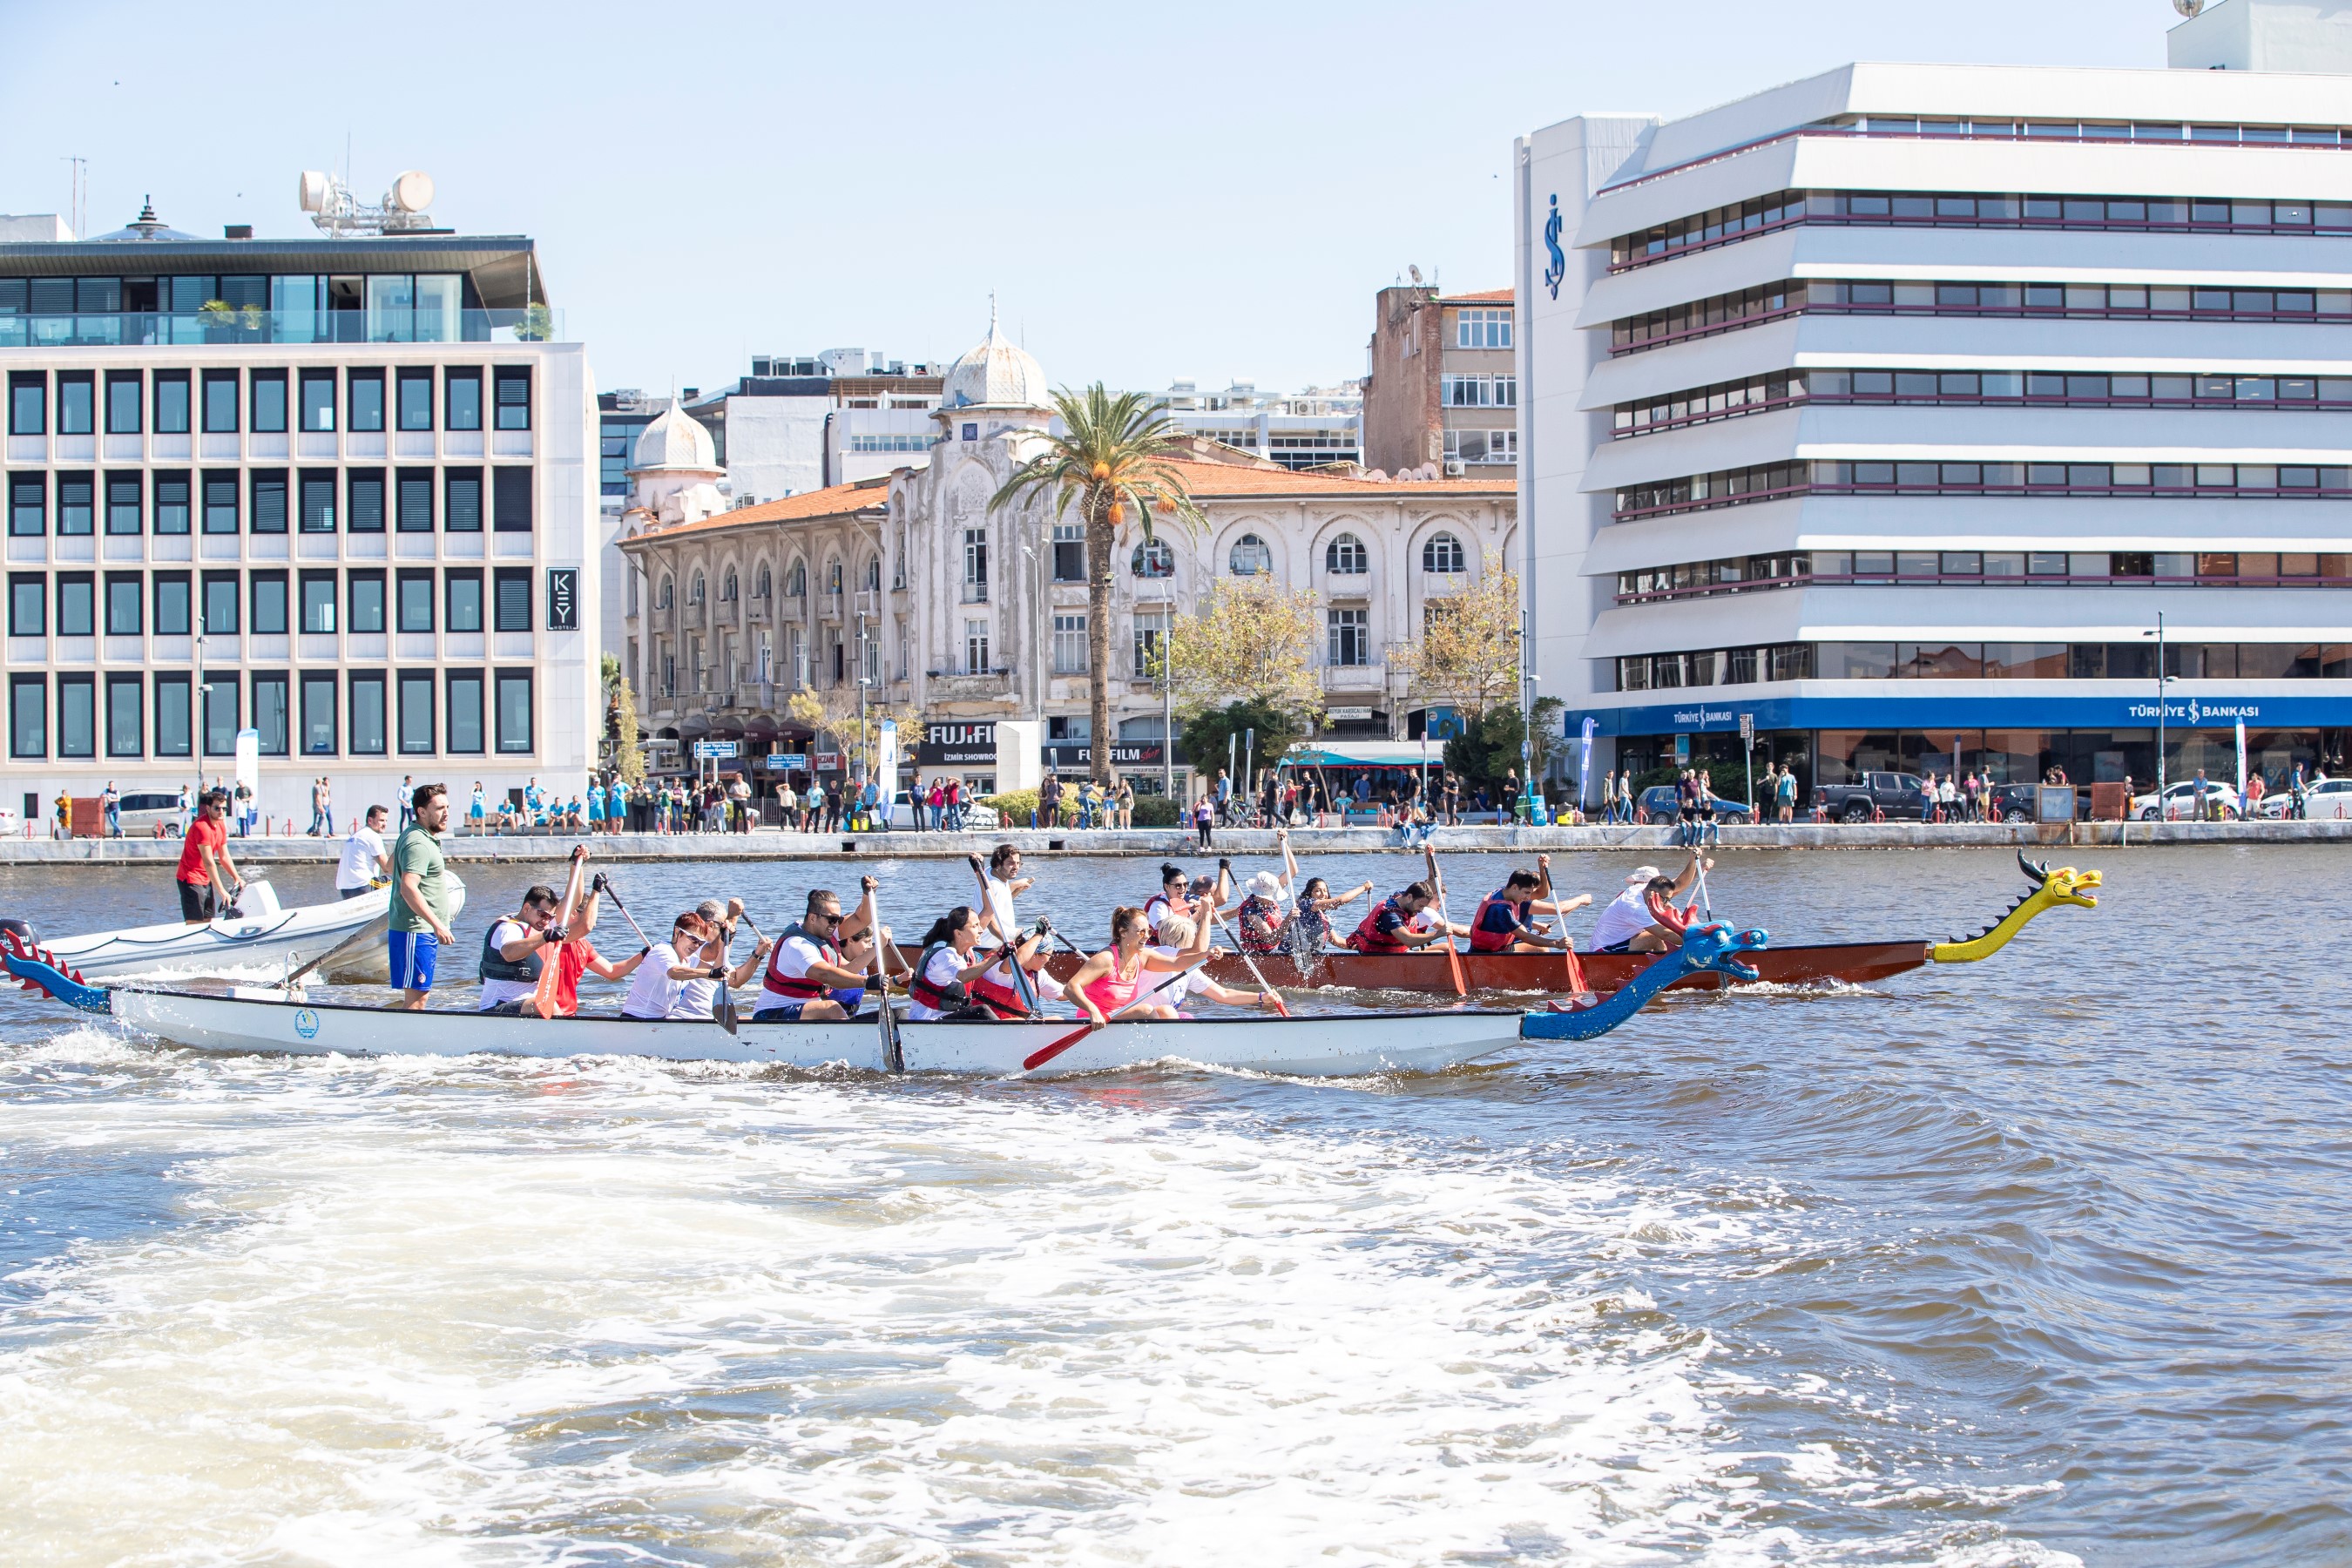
<point>265,936</point>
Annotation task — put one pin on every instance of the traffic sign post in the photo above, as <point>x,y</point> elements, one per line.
<point>717,750</point>
<point>1748,754</point>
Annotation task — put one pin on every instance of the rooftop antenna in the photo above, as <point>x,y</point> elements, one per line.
<point>336,211</point>
<point>78,199</point>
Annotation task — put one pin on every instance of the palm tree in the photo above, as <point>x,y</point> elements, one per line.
<point>1111,461</point>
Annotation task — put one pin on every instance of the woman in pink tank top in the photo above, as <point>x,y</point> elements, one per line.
<point>1112,979</point>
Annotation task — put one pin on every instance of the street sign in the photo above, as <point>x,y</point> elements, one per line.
<point>1348,715</point>
<point>711,751</point>
<point>1748,728</point>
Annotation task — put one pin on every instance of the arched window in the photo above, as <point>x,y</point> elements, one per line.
<point>833,578</point>
<point>759,588</point>
<point>633,593</point>
<point>664,603</point>
<point>1250,557</point>
<point>796,581</point>
<point>694,593</point>
<point>873,572</point>
<point>1156,559</point>
<point>1442,553</point>
<point>1347,557</point>
<point>726,587</point>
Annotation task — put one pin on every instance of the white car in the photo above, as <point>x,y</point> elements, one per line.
<point>2328,798</point>
<point>2180,803</point>
<point>902,813</point>
<point>11,825</point>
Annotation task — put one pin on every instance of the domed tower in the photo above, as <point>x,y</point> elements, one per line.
<point>674,472</point>
<point>991,386</point>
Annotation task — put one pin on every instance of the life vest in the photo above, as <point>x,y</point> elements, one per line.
<point>999,996</point>
<point>1266,935</point>
<point>800,987</point>
<point>497,967</point>
<point>1370,938</point>
<point>1663,911</point>
<point>1482,939</point>
<point>938,998</point>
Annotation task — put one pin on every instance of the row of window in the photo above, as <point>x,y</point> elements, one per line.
<point>2070,389</point>
<point>2202,215</point>
<point>2008,128</point>
<point>290,308</point>
<point>1478,391</point>
<point>1982,661</point>
<point>889,441</point>
<point>459,713</point>
<point>1345,557</point>
<point>1771,481</point>
<point>263,501</point>
<point>1990,568</point>
<point>226,401</point>
<point>1482,445</point>
<point>176,604</point>
<point>1483,329</point>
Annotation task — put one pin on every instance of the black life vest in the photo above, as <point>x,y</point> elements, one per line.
<point>938,998</point>
<point>495,965</point>
<point>799,986</point>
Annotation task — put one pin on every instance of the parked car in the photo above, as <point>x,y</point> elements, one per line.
<point>902,813</point>
<point>2180,803</point>
<point>141,813</point>
<point>2327,798</point>
<point>1896,795</point>
<point>2011,803</point>
<point>1660,803</point>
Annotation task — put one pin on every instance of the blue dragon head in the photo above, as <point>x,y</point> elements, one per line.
<point>1718,947</point>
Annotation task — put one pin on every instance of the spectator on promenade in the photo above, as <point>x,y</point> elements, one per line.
<point>1204,819</point>
<point>833,807</point>
<point>407,812</point>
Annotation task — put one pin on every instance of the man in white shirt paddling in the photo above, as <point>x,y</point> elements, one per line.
<point>1632,922</point>
<point>365,859</point>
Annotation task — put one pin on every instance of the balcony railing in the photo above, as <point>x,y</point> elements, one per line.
<point>255,325</point>
<point>975,593</point>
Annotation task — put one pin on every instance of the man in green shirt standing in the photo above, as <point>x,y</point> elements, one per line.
<point>420,904</point>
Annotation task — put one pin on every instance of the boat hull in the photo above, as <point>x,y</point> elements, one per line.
<point>1315,1046</point>
<point>284,939</point>
<point>1853,963</point>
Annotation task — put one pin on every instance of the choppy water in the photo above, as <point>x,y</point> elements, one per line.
<point>2030,1262</point>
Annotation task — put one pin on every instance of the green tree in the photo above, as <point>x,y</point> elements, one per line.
<point>628,759</point>
<point>1111,461</point>
<point>1206,733</point>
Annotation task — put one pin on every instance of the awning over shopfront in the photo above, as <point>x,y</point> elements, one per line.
<point>759,727</point>
<point>725,728</point>
<point>1334,753</point>
<point>694,728</point>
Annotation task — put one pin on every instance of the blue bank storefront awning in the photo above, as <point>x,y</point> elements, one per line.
<point>1700,715</point>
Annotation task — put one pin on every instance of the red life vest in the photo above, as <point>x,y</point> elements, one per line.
<point>997,996</point>
<point>1663,911</point>
<point>1370,938</point>
<point>798,986</point>
<point>1485,940</point>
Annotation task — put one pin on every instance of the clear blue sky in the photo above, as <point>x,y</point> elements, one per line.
<point>1203,190</point>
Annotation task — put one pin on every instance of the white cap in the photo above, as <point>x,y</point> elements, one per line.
<point>1641,875</point>
<point>1265,884</point>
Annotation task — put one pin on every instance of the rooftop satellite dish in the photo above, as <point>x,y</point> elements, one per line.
<point>413,191</point>
<point>2189,8</point>
<point>314,190</point>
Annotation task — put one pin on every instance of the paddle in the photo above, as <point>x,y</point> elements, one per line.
<point>1444,925</point>
<point>550,962</point>
<point>722,1006</point>
<point>894,1058</point>
<point>367,932</point>
<point>1021,985</point>
<point>1047,1053</point>
<point>606,883</point>
<point>1255,972</point>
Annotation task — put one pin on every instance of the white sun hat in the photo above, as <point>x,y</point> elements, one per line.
<point>1265,884</point>
<point>1640,875</point>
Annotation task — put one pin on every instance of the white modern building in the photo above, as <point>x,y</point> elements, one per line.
<point>332,490</point>
<point>799,423</point>
<point>1310,429</point>
<point>1897,407</point>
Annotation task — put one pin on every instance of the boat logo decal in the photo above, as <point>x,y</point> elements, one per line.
<point>306,1024</point>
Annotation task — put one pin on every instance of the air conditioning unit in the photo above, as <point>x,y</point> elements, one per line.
<point>1452,468</point>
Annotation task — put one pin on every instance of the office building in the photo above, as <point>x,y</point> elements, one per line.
<point>1899,408</point>
<point>1441,389</point>
<point>1319,428</point>
<point>332,490</point>
<point>799,423</point>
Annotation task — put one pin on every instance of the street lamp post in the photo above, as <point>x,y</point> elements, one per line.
<point>2161,680</point>
<point>1167,703</point>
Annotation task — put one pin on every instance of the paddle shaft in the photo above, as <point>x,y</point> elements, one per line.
<point>1021,982</point>
<point>893,1059</point>
<point>1445,924</point>
<point>1047,1053</point>
<point>1255,972</point>
<point>365,934</point>
<point>551,965</point>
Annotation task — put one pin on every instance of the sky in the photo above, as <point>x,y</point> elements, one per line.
<point>1211,191</point>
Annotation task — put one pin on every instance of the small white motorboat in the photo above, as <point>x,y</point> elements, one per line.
<point>265,936</point>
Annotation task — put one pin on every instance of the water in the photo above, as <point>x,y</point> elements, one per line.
<point>2035,1261</point>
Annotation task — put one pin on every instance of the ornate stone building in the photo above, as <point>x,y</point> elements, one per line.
<point>911,584</point>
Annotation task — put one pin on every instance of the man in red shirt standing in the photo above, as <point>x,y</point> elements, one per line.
<point>205,871</point>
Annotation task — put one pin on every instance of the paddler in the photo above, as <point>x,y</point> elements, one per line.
<point>1402,921</point>
<point>1173,894</point>
<point>684,988</point>
<point>1176,934</point>
<point>207,873</point>
<point>1000,883</point>
<point>939,986</point>
<point>1308,930</point>
<point>1115,978</point>
<point>515,950</point>
<point>1505,918</point>
<point>810,979</point>
<point>1642,919</point>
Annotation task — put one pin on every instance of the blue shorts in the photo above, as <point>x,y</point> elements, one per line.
<point>413,956</point>
<point>780,1013</point>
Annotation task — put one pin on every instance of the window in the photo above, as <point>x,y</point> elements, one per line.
<point>29,605</point>
<point>416,600</point>
<point>220,604</point>
<point>415,501</point>
<point>461,601</point>
<point>125,510</point>
<point>269,589</point>
<point>461,500</point>
<point>367,400</point>
<point>1151,638</point>
<point>77,505</point>
<point>318,400</point>
<point>1069,645</point>
<point>694,594</point>
<point>269,712</point>
<point>125,598</point>
<point>832,578</point>
<point>76,716</point>
<point>171,402</point>
<point>126,720</point>
<point>1347,557</point>
<point>1155,560</point>
<point>171,502</point>
<point>269,401</point>
<point>220,701</point>
<point>317,604</point>
<point>727,586</point>
<point>171,716</point>
<point>364,493</point>
<point>366,607</point>
<point>662,600</point>
<point>29,403</point>
<point>795,583</point>
<point>873,573</point>
<point>466,710</point>
<point>317,510</point>
<point>77,604</point>
<point>415,386</point>
<point>1482,328</point>
<point>513,388</point>
<point>28,715</point>
<point>220,401</point>
<point>513,590</point>
<point>28,505</point>
<point>514,710</point>
<point>975,566</point>
<point>1069,552</point>
<point>318,713</point>
<point>416,713</point>
<point>77,397</point>
<point>1250,557</point>
<point>125,395</point>
<point>510,499</point>
<point>172,604</point>
<point>463,394</point>
<point>975,647</point>
<point>1349,637</point>
<point>1442,553</point>
<point>268,500</point>
<point>760,589</point>
<point>367,715</point>
<point>220,501</point>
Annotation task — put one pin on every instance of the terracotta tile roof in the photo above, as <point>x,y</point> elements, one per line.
<point>1490,296</point>
<point>834,500</point>
<point>1214,479</point>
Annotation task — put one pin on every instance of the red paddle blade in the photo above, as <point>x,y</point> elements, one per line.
<point>1047,1053</point>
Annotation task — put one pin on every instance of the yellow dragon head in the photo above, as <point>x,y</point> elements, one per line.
<point>2063,886</point>
<point>2051,888</point>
